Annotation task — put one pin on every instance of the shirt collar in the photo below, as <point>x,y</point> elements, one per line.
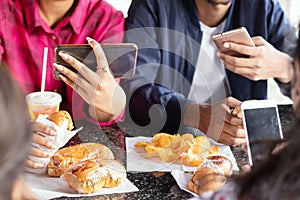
<point>32,15</point>
<point>79,15</point>
<point>34,19</point>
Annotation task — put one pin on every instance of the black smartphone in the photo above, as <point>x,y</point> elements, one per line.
<point>121,57</point>
<point>262,126</point>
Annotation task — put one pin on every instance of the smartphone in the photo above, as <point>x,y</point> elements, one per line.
<point>121,57</point>
<point>239,36</point>
<point>262,127</point>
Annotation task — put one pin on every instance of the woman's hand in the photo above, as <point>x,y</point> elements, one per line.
<point>263,62</point>
<point>42,141</point>
<point>99,89</point>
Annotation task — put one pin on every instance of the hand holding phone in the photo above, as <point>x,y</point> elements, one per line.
<point>262,127</point>
<point>239,36</point>
<point>99,89</point>
<point>120,57</point>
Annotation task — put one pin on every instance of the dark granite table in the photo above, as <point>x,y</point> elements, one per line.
<point>150,185</point>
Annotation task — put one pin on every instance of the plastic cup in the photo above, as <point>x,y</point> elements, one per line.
<point>43,103</point>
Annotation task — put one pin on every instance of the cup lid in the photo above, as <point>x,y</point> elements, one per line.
<point>43,98</point>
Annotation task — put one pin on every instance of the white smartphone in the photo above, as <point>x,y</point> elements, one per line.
<point>239,36</point>
<point>262,126</point>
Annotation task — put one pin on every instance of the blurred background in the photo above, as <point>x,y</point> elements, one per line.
<point>292,10</point>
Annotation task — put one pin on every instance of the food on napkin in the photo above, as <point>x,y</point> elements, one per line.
<point>210,175</point>
<point>91,175</point>
<point>62,123</point>
<point>64,158</point>
<point>62,119</point>
<point>190,150</point>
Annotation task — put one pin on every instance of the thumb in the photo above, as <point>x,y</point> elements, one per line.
<point>259,41</point>
<point>232,102</point>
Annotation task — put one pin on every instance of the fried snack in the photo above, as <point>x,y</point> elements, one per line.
<point>206,179</point>
<point>62,119</point>
<point>64,158</point>
<point>91,175</point>
<point>237,112</point>
<point>189,150</point>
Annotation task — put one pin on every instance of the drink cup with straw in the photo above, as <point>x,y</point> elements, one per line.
<point>43,102</point>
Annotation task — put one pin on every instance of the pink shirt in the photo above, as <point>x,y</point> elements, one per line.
<point>24,34</point>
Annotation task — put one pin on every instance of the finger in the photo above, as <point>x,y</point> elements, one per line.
<point>39,153</point>
<point>244,147</point>
<point>42,128</point>
<point>246,168</point>
<point>232,102</point>
<point>43,141</point>
<point>234,120</point>
<point>99,53</point>
<point>248,72</point>
<point>79,66</point>
<point>80,86</point>
<point>29,163</point>
<point>100,56</point>
<point>236,61</point>
<point>228,139</point>
<point>240,48</point>
<point>234,131</point>
<point>259,41</point>
<point>65,72</point>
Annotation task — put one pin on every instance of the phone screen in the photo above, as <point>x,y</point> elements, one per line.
<point>263,128</point>
<point>121,58</point>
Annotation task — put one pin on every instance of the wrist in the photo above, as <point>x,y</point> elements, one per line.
<point>287,63</point>
<point>195,115</point>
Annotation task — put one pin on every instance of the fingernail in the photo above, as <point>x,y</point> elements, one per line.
<point>59,68</point>
<point>38,165</point>
<point>90,40</point>
<point>226,45</point>
<point>63,55</point>
<point>51,145</point>
<point>218,54</point>
<point>53,132</point>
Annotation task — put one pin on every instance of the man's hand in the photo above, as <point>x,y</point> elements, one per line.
<point>264,61</point>
<point>217,121</point>
<point>40,140</point>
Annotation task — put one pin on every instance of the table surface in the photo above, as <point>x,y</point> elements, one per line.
<point>151,185</point>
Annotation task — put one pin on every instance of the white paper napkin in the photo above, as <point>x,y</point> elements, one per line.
<point>61,138</point>
<point>46,187</point>
<point>137,161</point>
<point>182,178</point>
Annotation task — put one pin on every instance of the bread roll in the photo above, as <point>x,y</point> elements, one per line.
<point>222,162</point>
<point>206,179</point>
<point>68,156</point>
<point>62,119</point>
<point>211,174</point>
<point>91,175</point>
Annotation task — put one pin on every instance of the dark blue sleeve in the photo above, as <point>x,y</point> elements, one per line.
<point>150,103</point>
<point>282,35</point>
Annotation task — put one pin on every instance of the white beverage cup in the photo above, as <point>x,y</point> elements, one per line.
<point>43,103</point>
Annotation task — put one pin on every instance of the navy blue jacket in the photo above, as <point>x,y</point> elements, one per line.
<point>168,36</point>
